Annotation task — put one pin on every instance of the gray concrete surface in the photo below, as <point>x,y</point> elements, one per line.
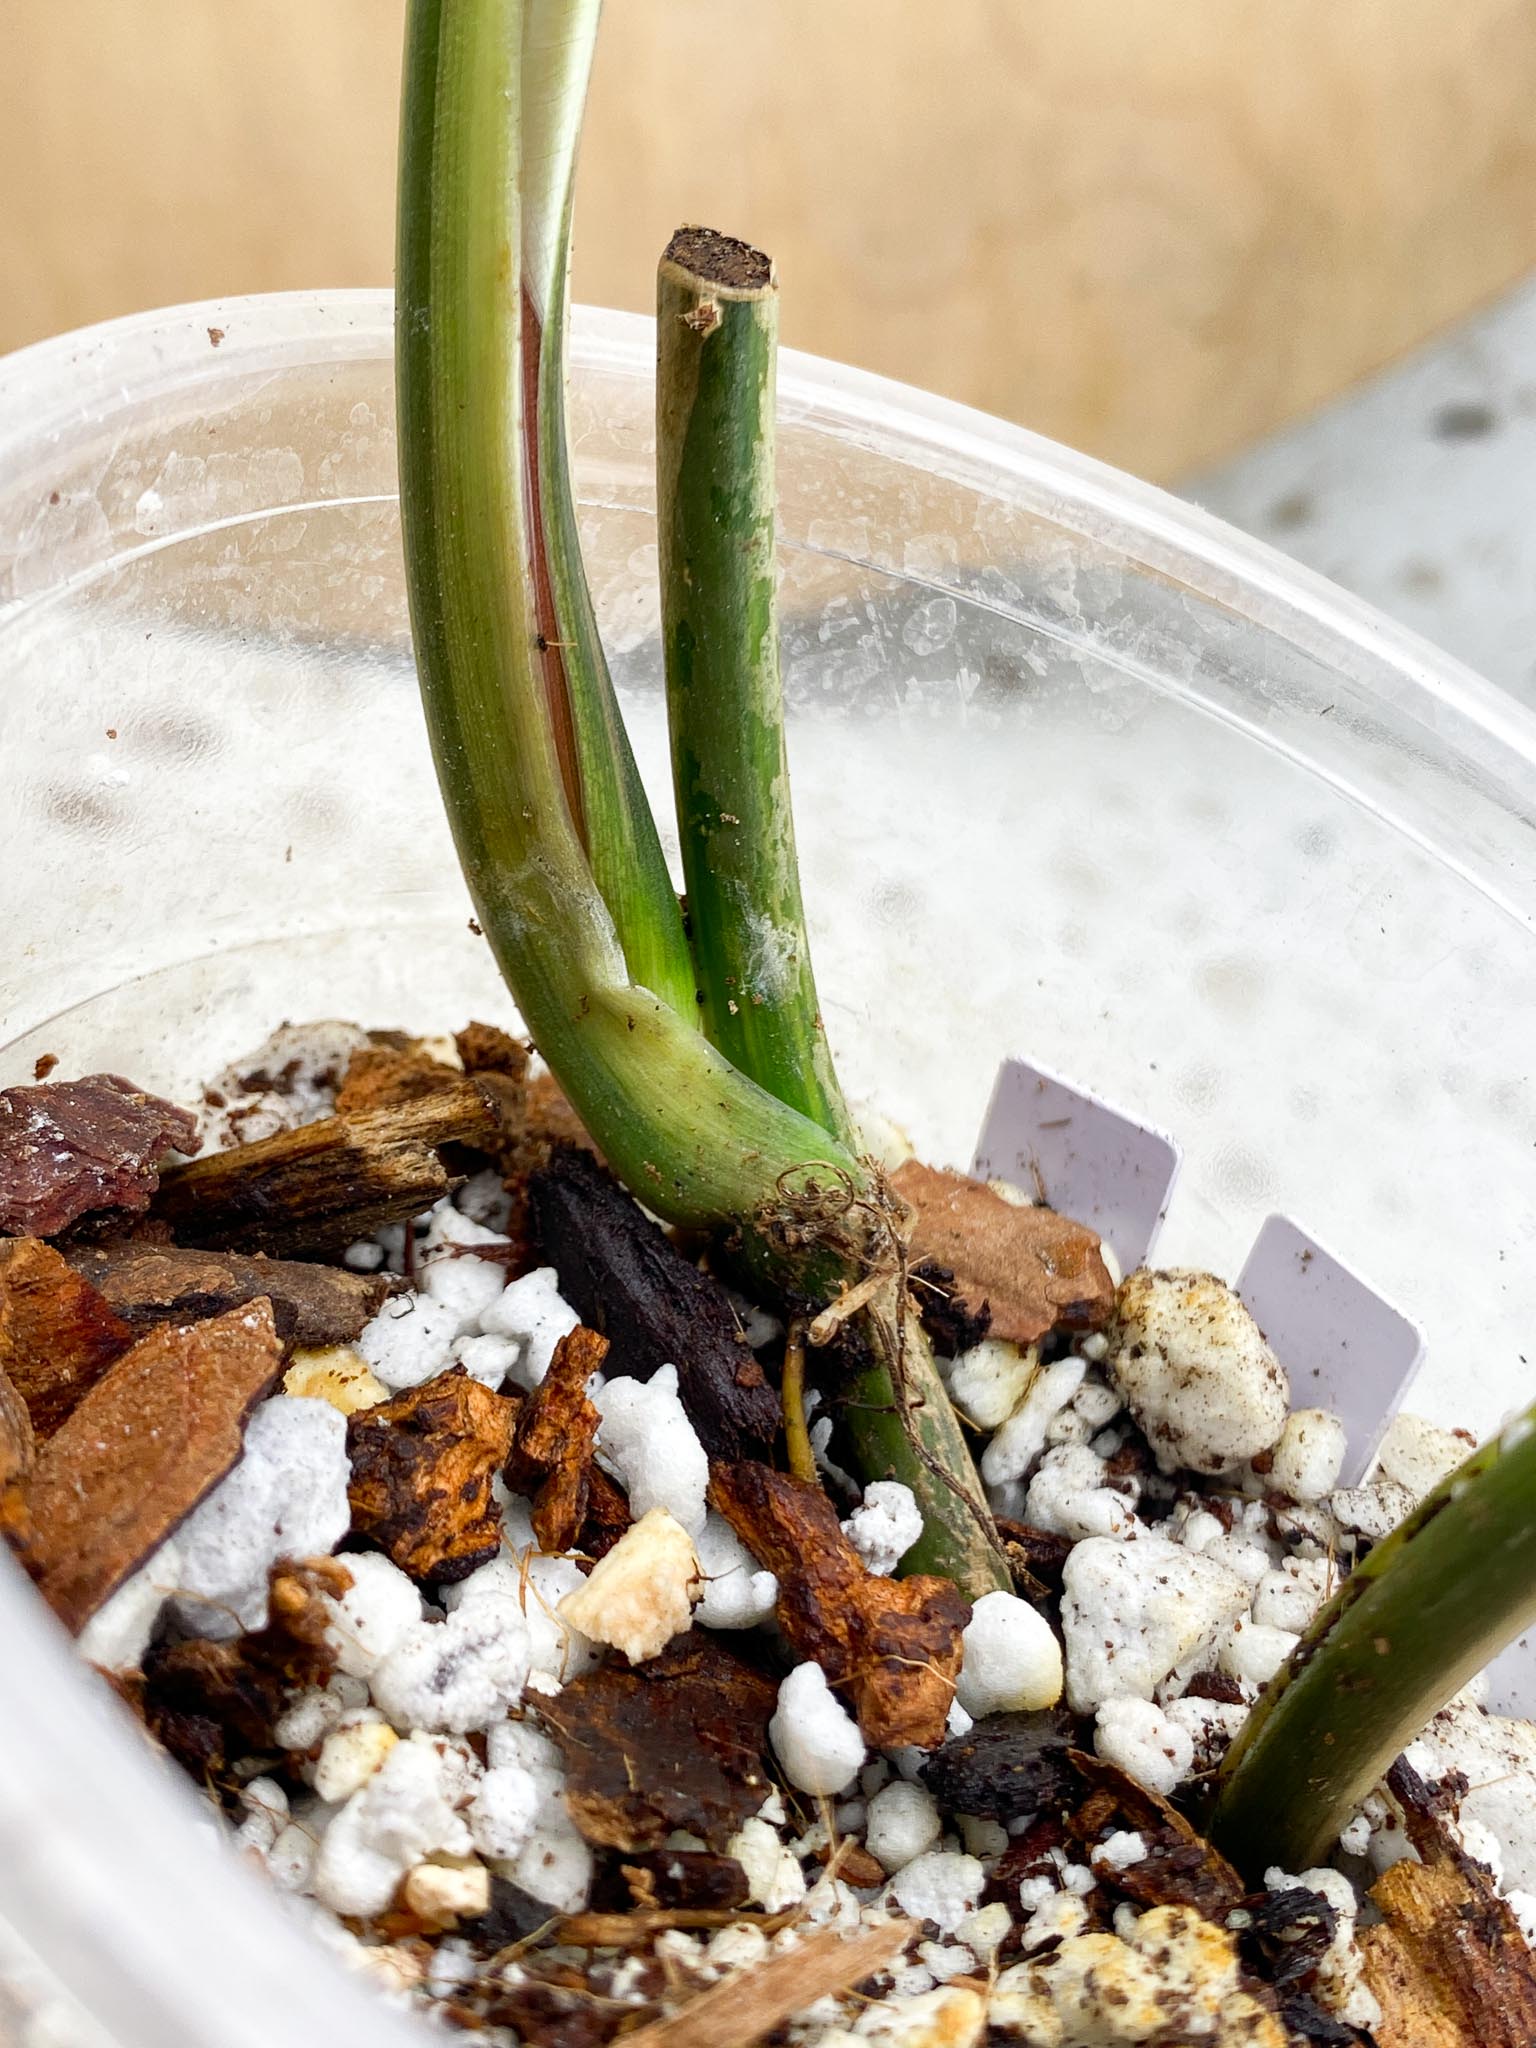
<point>1417,490</point>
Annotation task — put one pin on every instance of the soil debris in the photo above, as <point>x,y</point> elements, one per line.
<point>677,1742</point>
<point>640,1927</point>
<point>1036,1557</point>
<point>1448,1962</point>
<point>325,1184</point>
<point>1007,1767</point>
<point>156,1283</point>
<point>624,1277</point>
<point>487,1049</point>
<point>750,2003</point>
<point>553,2015</point>
<point>1180,1868</point>
<point>422,1466</point>
<point>608,1516</point>
<point>145,1444</point>
<point>18,1455</point>
<point>892,1646</point>
<point>673,1878</point>
<point>57,1334</point>
<point>203,1700</point>
<point>553,1443</point>
<point>951,1324</point>
<point>384,1076</point>
<point>514,1915</point>
<point>1033,1270</point>
<point>1289,1934</point>
<point>70,1147</point>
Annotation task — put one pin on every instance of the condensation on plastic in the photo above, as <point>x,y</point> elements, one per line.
<point>1081,774</point>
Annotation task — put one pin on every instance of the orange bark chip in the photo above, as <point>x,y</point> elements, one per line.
<point>145,1445</point>
<point>422,1466</point>
<point>57,1334</point>
<point>1034,1270</point>
<point>891,1647</point>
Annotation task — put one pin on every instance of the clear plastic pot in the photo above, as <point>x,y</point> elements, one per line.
<point>1080,772</point>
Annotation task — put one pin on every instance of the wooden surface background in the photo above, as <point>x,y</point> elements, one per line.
<point>1153,228</point>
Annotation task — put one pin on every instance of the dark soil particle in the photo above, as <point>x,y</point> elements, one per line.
<point>625,1278</point>
<point>1007,1767</point>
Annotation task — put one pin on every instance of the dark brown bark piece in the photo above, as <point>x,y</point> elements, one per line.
<point>952,1325</point>
<point>18,1456</point>
<point>204,1700</point>
<point>1180,1867</point>
<point>1036,1558</point>
<point>890,1646</point>
<point>677,1742</point>
<point>147,1284</point>
<point>422,1466</point>
<point>1007,1767</point>
<point>513,1915</point>
<point>1215,1685</point>
<point>57,1334</point>
<point>607,1517</point>
<point>1287,1935</point>
<point>687,1877</point>
<point>1034,1270</point>
<point>1448,1963</point>
<point>625,1278</point>
<point>553,1443</point>
<point>321,1186</point>
<point>145,1445</point>
<point>69,1147</point>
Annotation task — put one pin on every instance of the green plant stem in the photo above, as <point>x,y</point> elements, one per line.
<point>1410,1625</point>
<point>904,1426</point>
<point>716,351</point>
<point>799,1456</point>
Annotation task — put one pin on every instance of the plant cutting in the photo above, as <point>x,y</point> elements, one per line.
<point>737,1129</point>
<point>432,1505</point>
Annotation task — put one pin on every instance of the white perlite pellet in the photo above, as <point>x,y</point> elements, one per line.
<point>1134,1613</point>
<point>534,1314</point>
<point>903,1821</point>
<point>1144,1742</point>
<point>814,1737</point>
<point>646,1439</point>
<point>287,1497</point>
<point>1196,1372</point>
<point>941,1886</point>
<point>369,1619</point>
<point>1011,1661</point>
<point>886,1524</point>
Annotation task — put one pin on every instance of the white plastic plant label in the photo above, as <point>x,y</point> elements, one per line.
<point>1074,1152</point>
<point>1343,1346</point>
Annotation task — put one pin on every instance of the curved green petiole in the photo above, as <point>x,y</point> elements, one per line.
<point>1418,1617</point>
